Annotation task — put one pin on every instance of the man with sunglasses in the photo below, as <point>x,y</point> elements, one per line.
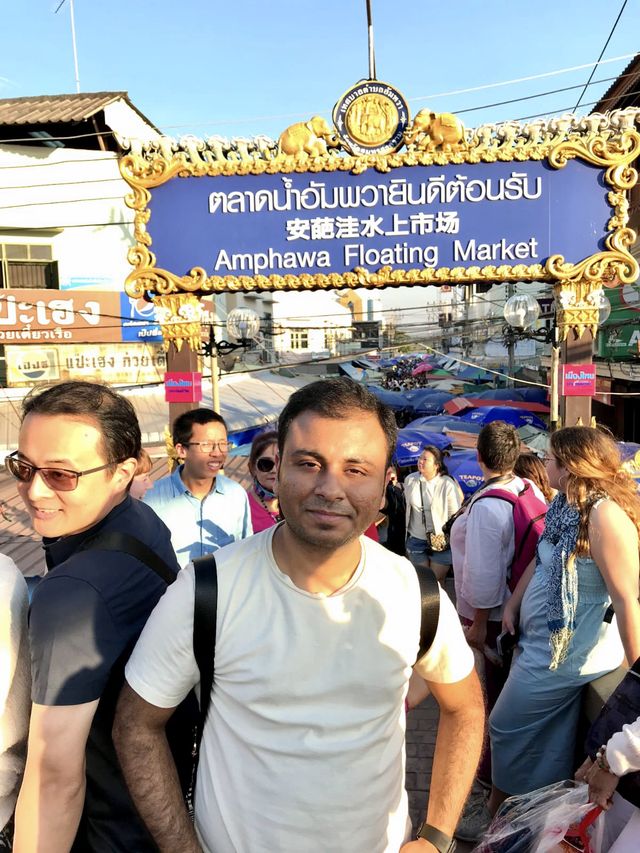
<point>202,508</point>
<point>77,453</point>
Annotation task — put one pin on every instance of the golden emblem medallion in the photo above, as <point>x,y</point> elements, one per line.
<point>371,118</point>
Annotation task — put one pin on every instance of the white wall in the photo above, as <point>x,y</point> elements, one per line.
<point>74,201</point>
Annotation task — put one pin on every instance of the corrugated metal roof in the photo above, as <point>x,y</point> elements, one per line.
<point>625,81</point>
<point>54,109</point>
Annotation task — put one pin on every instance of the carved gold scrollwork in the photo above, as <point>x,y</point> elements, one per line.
<point>179,316</point>
<point>577,307</point>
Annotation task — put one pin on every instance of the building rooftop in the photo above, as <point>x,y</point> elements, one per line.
<point>73,120</point>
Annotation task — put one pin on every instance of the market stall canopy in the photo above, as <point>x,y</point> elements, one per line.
<point>247,402</point>
<point>357,373</point>
<point>394,399</point>
<point>465,470</point>
<point>426,401</point>
<point>462,404</point>
<point>535,439</point>
<point>411,443</point>
<point>438,423</point>
<point>516,417</point>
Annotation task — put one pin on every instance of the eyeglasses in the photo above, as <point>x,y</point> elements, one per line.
<point>264,464</point>
<point>207,446</point>
<point>58,479</point>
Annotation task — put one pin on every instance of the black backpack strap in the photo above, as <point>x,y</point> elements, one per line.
<point>205,614</point>
<point>429,608</point>
<point>115,540</point>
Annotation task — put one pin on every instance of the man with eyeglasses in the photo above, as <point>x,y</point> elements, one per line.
<point>202,508</point>
<point>77,453</point>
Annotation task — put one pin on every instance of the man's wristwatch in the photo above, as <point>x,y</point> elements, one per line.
<point>443,843</point>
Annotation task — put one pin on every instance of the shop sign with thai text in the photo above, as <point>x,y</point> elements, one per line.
<point>124,364</point>
<point>578,380</point>
<point>54,316</point>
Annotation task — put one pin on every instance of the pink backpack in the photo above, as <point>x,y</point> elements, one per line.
<point>528,523</point>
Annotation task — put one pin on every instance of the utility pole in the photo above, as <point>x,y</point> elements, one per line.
<point>73,39</point>
<point>511,347</point>
<point>372,56</point>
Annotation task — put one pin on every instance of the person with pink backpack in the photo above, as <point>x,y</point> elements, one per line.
<point>493,540</point>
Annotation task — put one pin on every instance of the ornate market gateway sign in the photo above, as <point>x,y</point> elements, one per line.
<point>543,201</point>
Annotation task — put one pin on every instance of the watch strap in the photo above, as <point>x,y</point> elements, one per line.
<point>442,842</point>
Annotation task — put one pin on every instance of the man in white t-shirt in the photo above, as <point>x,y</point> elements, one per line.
<point>318,630</point>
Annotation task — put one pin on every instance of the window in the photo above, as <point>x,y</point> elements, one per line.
<point>300,339</point>
<point>27,266</point>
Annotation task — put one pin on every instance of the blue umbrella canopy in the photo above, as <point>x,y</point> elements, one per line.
<point>393,399</point>
<point>475,374</point>
<point>516,417</point>
<point>427,401</point>
<point>411,443</point>
<point>531,394</point>
<point>437,423</point>
<point>498,394</point>
<point>465,470</point>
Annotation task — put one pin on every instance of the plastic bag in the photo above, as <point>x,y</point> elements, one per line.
<point>539,822</point>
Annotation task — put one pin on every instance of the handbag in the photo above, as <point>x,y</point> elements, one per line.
<point>435,541</point>
<point>623,706</point>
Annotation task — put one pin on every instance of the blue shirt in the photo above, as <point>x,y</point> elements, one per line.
<point>200,526</point>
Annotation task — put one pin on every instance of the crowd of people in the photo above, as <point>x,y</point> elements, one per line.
<point>317,644</point>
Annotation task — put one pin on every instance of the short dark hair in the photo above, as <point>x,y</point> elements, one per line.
<point>438,455</point>
<point>259,444</point>
<point>114,415</point>
<point>182,428</point>
<point>337,398</point>
<point>499,446</point>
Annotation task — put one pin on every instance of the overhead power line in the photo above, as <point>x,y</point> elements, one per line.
<point>593,71</point>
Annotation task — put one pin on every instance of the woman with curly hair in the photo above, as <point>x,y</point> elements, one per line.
<point>587,560</point>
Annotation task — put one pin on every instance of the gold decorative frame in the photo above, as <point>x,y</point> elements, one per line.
<point>609,141</point>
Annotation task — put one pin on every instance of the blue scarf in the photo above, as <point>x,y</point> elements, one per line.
<point>561,530</point>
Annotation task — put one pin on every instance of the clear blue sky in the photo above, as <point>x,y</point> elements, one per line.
<point>246,67</point>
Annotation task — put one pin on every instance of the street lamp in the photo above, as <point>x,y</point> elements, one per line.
<point>242,324</point>
<point>604,306</point>
<point>521,312</point>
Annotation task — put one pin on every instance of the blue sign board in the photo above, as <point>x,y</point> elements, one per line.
<point>412,217</point>
<point>139,320</point>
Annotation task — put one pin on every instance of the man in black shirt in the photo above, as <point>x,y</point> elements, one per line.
<point>78,449</point>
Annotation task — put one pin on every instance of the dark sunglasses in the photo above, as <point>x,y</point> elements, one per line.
<point>264,464</point>
<point>58,479</point>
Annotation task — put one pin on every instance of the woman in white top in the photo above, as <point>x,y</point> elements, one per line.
<point>432,497</point>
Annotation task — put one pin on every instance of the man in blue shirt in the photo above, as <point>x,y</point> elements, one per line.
<point>202,508</point>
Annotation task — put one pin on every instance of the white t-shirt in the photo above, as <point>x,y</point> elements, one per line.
<point>303,748</point>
